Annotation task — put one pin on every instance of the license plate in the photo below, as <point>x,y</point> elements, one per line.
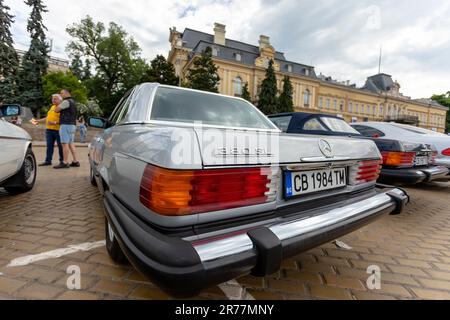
<point>305,182</point>
<point>421,161</point>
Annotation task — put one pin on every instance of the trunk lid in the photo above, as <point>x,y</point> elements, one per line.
<point>220,147</point>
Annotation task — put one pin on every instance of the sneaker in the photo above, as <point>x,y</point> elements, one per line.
<point>45,164</point>
<point>75,164</point>
<point>62,165</point>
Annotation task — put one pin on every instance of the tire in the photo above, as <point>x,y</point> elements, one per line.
<point>112,245</point>
<point>92,178</point>
<point>23,181</point>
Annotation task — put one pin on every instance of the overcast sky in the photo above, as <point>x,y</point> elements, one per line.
<point>341,39</point>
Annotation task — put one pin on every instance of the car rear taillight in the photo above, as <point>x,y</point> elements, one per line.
<point>186,192</point>
<point>398,159</point>
<point>365,171</point>
<point>446,152</point>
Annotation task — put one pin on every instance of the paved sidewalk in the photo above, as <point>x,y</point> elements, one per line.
<point>412,250</point>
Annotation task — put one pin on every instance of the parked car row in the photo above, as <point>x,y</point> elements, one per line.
<point>200,188</point>
<point>410,155</point>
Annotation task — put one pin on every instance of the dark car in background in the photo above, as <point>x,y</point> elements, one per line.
<point>404,162</point>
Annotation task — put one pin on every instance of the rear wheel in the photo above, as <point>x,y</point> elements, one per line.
<point>112,245</point>
<point>24,180</point>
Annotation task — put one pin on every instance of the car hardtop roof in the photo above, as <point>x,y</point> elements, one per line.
<point>371,122</point>
<point>299,116</point>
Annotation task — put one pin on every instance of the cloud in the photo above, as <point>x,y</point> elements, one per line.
<point>341,39</point>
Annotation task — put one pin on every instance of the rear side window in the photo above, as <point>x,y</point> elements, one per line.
<point>314,125</point>
<point>172,104</point>
<point>117,114</point>
<point>368,131</point>
<point>338,125</point>
<point>282,122</point>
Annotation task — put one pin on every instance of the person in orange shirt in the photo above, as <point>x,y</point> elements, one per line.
<point>52,131</point>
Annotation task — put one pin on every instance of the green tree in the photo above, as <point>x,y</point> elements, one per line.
<point>285,102</point>
<point>53,82</point>
<point>161,71</point>
<point>246,93</point>
<point>268,101</point>
<point>444,99</point>
<point>87,73</point>
<point>114,56</point>
<point>76,66</point>
<point>34,62</point>
<point>91,109</point>
<point>204,76</point>
<point>9,61</point>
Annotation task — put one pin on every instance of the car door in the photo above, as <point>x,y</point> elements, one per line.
<point>13,144</point>
<point>101,145</point>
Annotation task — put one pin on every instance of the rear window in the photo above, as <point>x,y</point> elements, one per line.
<point>415,129</point>
<point>338,125</point>
<point>314,125</point>
<point>369,131</point>
<point>172,104</point>
<point>282,122</point>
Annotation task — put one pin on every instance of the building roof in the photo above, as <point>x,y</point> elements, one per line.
<point>198,41</point>
<point>430,102</point>
<point>192,37</point>
<point>379,82</point>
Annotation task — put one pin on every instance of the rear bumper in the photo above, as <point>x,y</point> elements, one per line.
<point>444,162</point>
<point>414,176</point>
<point>184,268</point>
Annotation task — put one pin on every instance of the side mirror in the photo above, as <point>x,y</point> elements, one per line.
<point>10,110</point>
<point>96,122</point>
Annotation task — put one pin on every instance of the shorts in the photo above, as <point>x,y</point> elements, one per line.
<point>67,133</point>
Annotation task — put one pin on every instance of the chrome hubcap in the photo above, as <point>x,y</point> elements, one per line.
<point>29,170</point>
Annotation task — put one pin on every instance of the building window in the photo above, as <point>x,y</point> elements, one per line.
<point>215,51</point>
<point>381,111</point>
<point>350,107</point>
<point>307,72</point>
<point>289,68</point>
<point>320,102</point>
<point>238,57</point>
<point>328,104</point>
<point>341,106</point>
<point>335,104</point>
<point>357,108</point>
<point>237,87</point>
<point>307,98</point>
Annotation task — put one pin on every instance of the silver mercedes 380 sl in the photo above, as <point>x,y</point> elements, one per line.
<point>200,188</point>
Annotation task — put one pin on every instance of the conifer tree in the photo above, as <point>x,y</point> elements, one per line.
<point>285,102</point>
<point>268,102</point>
<point>34,62</point>
<point>161,71</point>
<point>204,74</point>
<point>9,61</point>
<point>245,93</point>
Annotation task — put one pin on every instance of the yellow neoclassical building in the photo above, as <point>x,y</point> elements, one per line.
<point>239,63</point>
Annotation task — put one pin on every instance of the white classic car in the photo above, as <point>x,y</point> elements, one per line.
<point>17,161</point>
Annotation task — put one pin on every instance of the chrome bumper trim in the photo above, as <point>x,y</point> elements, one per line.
<point>436,173</point>
<point>285,230</point>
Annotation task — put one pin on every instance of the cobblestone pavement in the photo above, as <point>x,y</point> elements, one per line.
<point>412,250</point>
